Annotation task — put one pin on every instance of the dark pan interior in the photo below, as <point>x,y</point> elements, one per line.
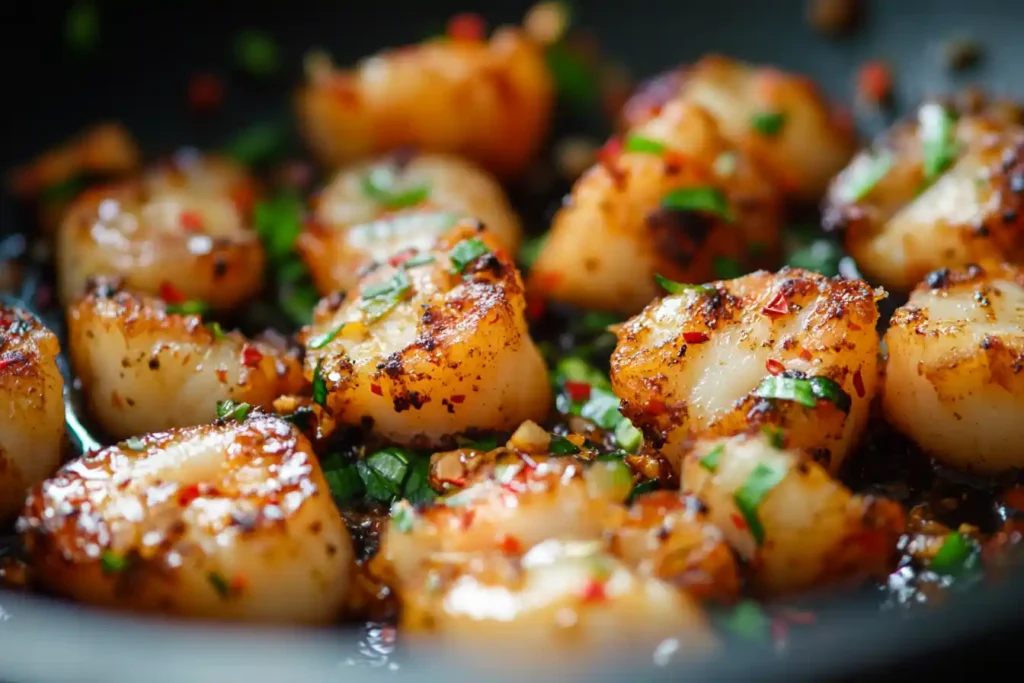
<point>139,76</point>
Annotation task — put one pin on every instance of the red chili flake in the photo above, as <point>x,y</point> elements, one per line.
<point>738,521</point>
<point>695,337</point>
<point>205,93</point>
<point>243,198</point>
<point>874,82</point>
<point>776,307</point>
<point>774,367</point>
<point>855,327</point>
<point>458,398</point>
<point>806,355</point>
<point>548,281</point>
<point>188,494</point>
<point>535,307</point>
<point>594,591</point>
<point>467,518</point>
<point>510,545</point>
<point>610,152</point>
<point>191,220</point>
<point>375,388</point>
<point>237,584</point>
<point>467,26</point>
<point>858,384</point>
<point>9,361</point>
<point>655,407</point>
<point>513,487</point>
<point>172,294</point>
<point>578,391</point>
<point>401,257</point>
<point>251,356</point>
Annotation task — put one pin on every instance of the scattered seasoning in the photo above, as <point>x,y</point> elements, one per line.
<point>82,27</point>
<point>112,563</point>
<point>468,27</point>
<point>806,392</point>
<point>205,93</point>
<point>710,460</point>
<point>593,591</point>
<point>610,152</point>
<point>171,294</point>
<point>775,436</point>
<point>376,389</point>
<point>216,330</point>
<point>874,83</point>
<point>726,267</point>
<point>465,252</point>
<point>322,340</point>
<point>673,287</point>
<point>383,185</point>
<point>628,437</point>
<point>834,17</point>
<point>381,297</point>
<point>319,384</point>
<point>761,480</point>
<point>957,555</point>
<point>768,123</point>
<point>403,515</point>
<point>251,356</point>
<point>188,494</point>
<point>135,444</point>
<point>230,410</point>
<point>219,583</point>
<point>703,199</point>
<point>936,131</point>
<point>562,446</point>
<point>695,337</point>
<point>256,53</point>
<point>774,367</point>
<point>643,145</point>
<point>778,306</point>
<point>865,176</point>
<point>858,383</point>
<point>962,53</point>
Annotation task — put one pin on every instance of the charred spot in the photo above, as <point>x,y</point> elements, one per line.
<point>980,229</point>
<point>412,399</point>
<point>682,351</point>
<point>678,234</point>
<point>154,363</point>
<point>366,422</point>
<point>393,365</point>
<point>822,456</point>
<point>488,263</point>
<point>1009,216</point>
<point>449,406</point>
<point>938,279</point>
<point>403,156</point>
<point>220,267</point>
<point>794,374</point>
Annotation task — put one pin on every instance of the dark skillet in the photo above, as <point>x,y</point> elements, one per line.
<point>139,76</point>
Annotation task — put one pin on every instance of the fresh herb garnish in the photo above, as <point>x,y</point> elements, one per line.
<point>575,81</point>
<point>191,307</point>
<point>747,622</point>
<point>465,252</point>
<point>642,488</point>
<point>216,330</point>
<point>761,480</point>
<point>256,53</point>
<point>776,438</point>
<point>768,123</point>
<point>562,446</point>
<point>383,186</point>
<point>230,410</point>
<point>342,478</point>
<point>628,437</point>
<point>806,392</point>
<point>821,256</point>
<point>257,144</point>
<point>219,583</point>
<point>726,267</point>
<point>135,444</point>
<point>865,175</point>
<point>956,555</point>
<point>420,259</point>
<point>485,443</point>
<point>112,563</point>
<point>319,384</point>
<point>417,489</point>
<point>703,199</point>
<point>673,287</point>
<point>298,302</point>
<point>710,460</point>
<point>935,128</point>
<point>278,222</point>
<point>322,340</point>
<point>383,473</point>
<point>302,417</point>
<point>643,145</point>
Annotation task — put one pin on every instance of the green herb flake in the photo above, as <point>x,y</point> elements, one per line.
<point>298,303</point>
<point>864,176</point>
<point>112,563</point>
<point>342,478</point>
<point>302,418</point>
<point>562,446</point>
<point>257,144</point>
<point>216,330</point>
<point>776,437</point>
<point>821,256</point>
<point>322,340</point>
<point>82,27</point>
<point>956,555</point>
<point>135,444</point>
<point>598,321</point>
<point>188,308</point>
<point>278,222</point>
<point>380,298</point>
<point>747,622</point>
<point>726,268</point>
<point>936,127</point>
<point>768,123</point>
<point>403,515</point>
<point>628,437</point>
<point>673,287</point>
<point>383,186</point>
<point>319,384</point>
<point>417,489</point>
<point>417,260</point>
<point>575,80</point>
<point>703,199</point>
<point>806,392</point>
<point>711,459</point>
<point>485,443</point>
<point>465,252</point>
<point>257,53</point>
<point>383,474</point>
<point>219,583</point>
<point>230,410</point>
<point>531,249</point>
<point>643,145</point>
<point>642,488</point>
<point>761,480</point>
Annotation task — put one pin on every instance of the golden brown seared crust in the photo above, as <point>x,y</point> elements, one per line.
<point>31,406</point>
<point>182,227</point>
<point>143,369</point>
<point>905,226</point>
<point>452,353</point>
<point>207,521</point>
<point>487,100</point>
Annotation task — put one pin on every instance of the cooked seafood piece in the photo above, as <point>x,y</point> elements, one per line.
<point>953,381</point>
<point>32,421</point>
<point>230,521</point>
<point>486,100</point>
<point>939,190</point>
<point>372,211</point>
<point>181,231</point>
<point>430,344</point>
<point>794,350</point>
<point>676,201</point>
<point>783,513</point>
<point>146,368</point>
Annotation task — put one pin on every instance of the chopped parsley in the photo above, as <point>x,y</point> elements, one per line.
<point>562,446</point>
<point>420,259</point>
<point>380,297</point>
<point>342,478</point>
<point>278,222</point>
<point>643,145</point>
<point>219,583</point>
<point>673,287</point>
<point>776,438</point>
<point>230,410</point>
<point>710,460</point>
<point>575,80</point>
<point>642,488</point>
<point>703,199</point>
<point>821,256</point>
<point>257,144</point>
<point>322,340</point>
<point>761,480</point>
<point>383,473</point>
<point>383,186</point>
<point>531,249</point>
<point>806,392</point>
<point>319,384</point>
<point>112,563</point>
<point>726,267</point>
<point>190,307</point>
<point>747,622</point>
<point>936,131</point>
<point>768,123</point>
<point>465,252</point>
<point>865,175</point>
<point>216,330</point>
<point>417,489</point>
<point>957,555</point>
